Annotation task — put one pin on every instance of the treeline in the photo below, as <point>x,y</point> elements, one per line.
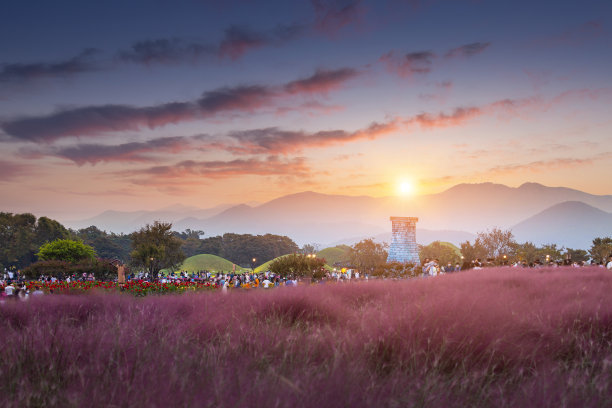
<point>21,235</point>
<point>238,248</point>
<point>497,246</point>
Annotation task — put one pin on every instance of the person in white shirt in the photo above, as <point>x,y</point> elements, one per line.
<point>9,290</point>
<point>609,264</point>
<point>266,283</point>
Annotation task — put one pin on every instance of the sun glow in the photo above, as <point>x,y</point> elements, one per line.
<point>405,188</point>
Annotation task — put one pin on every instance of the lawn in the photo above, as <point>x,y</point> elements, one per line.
<point>487,338</point>
<point>206,262</point>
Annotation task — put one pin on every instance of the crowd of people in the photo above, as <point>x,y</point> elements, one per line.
<point>13,285</point>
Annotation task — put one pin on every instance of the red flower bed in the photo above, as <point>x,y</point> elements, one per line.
<point>134,287</point>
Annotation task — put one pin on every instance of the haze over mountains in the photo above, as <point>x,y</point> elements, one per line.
<point>534,212</point>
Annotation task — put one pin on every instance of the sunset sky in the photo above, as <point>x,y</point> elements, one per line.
<point>131,105</point>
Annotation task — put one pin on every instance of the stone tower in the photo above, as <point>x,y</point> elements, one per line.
<point>403,240</point>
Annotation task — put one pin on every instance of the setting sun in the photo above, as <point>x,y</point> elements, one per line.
<point>406,188</point>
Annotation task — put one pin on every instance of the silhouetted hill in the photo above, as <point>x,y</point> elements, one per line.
<point>325,219</point>
<point>572,224</point>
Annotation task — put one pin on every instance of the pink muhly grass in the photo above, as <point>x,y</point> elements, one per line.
<point>493,337</point>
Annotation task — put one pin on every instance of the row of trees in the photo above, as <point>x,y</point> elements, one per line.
<point>496,245</point>
<point>239,248</point>
<point>21,236</point>
<point>25,239</point>
<point>499,245</point>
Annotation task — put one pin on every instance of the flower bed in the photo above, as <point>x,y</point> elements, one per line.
<point>134,287</point>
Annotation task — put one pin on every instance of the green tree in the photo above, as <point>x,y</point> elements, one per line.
<point>212,245</point>
<point>66,250</point>
<point>368,255</point>
<point>443,251</point>
<point>309,249</point>
<point>601,249</point>
<point>299,265</point>
<point>578,255</point>
<point>527,252</point>
<point>497,242</point>
<point>48,230</point>
<point>155,247</point>
<point>108,246</point>
<point>21,235</point>
<point>472,252</point>
<point>550,253</point>
<point>191,242</point>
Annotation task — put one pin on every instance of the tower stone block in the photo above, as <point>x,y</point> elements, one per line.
<point>403,240</point>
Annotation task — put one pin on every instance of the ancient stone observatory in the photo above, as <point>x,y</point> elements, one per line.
<point>403,240</point>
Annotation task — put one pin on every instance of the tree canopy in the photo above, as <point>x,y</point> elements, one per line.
<point>443,251</point>
<point>299,265</point>
<point>601,249</point>
<point>155,247</point>
<point>109,246</point>
<point>368,255</point>
<point>66,250</point>
<point>21,235</point>
<point>238,248</point>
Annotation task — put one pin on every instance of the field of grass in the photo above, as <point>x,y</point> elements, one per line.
<point>207,262</point>
<point>335,254</point>
<point>486,338</point>
<point>265,266</point>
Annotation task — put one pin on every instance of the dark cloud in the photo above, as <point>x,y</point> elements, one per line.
<point>19,72</point>
<point>167,51</point>
<point>244,98</point>
<point>94,120</point>
<point>276,141</point>
<point>332,15</point>
<point>271,166</point>
<point>236,41</point>
<point>467,50</point>
<point>126,152</point>
<point>321,81</point>
<point>419,62</point>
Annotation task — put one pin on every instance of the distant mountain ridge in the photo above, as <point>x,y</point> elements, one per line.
<point>578,223</point>
<point>458,212</point>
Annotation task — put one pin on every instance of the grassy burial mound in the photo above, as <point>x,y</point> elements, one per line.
<point>265,266</point>
<point>488,338</point>
<point>335,254</point>
<point>207,262</point>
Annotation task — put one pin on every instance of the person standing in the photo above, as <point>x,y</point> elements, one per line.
<point>9,290</point>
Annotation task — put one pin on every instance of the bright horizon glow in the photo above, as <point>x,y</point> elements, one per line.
<point>406,188</point>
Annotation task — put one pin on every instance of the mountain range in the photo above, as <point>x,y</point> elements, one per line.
<point>534,212</point>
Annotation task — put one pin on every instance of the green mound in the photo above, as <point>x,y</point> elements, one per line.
<point>454,247</point>
<point>207,262</point>
<point>335,254</point>
<point>265,266</point>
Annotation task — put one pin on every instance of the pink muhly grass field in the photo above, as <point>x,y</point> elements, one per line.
<point>493,337</point>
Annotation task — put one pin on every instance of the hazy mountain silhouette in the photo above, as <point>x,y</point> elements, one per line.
<point>324,218</point>
<point>572,224</point>
<point>423,237</point>
<point>129,221</point>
